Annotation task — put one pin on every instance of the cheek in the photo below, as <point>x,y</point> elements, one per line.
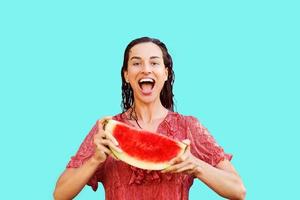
<point>162,79</point>
<point>131,73</point>
<point>162,73</point>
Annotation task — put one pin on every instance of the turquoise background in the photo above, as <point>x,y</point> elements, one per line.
<point>236,65</point>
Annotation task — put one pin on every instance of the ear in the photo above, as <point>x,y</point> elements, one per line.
<point>166,73</point>
<point>125,73</point>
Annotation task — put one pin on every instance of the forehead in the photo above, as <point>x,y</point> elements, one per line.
<point>145,50</point>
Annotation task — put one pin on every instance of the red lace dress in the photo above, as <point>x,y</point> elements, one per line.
<point>122,181</point>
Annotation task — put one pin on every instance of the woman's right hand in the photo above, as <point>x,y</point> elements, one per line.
<point>103,143</point>
<point>72,180</point>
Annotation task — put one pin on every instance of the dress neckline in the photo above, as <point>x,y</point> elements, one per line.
<point>165,118</point>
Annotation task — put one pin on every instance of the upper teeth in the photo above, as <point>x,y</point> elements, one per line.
<point>146,80</point>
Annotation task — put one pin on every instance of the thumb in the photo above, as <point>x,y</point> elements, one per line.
<point>188,143</point>
<point>100,121</point>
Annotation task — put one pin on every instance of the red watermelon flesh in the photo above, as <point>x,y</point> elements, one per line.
<point>143,149</point>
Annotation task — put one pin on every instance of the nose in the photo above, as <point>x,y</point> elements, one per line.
<point>146,68</point>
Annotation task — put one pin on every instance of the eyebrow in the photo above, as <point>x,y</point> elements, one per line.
<point>135,57</point>
<point>139,58</point>
<point>154,57</point>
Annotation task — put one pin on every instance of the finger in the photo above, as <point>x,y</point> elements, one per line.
<point>189,167</point>
<point>106,142</point>
<point>99,144</point>
<point>186,141</point>
<point>100,135</point>
<point>111,145</point>
<point>104,134</point>
<point>100,121</point>
<point>103,149</point>
<point>173,168</point>
<point>175,161</point>
<point>104,118</point>
<point>97,141</point>
<point>113,139</point>
<point>179,159</point>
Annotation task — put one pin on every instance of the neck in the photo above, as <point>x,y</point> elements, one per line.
<point>148,113</point>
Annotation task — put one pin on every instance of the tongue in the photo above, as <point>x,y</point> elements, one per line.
<point>146,88</point>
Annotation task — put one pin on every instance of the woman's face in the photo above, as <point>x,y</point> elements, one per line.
<point>146,72</point>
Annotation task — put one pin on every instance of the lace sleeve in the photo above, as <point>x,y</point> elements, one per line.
<point>85,152</point>
<point>203,145</point>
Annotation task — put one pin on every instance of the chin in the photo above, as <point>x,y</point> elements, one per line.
<point>147,99</point>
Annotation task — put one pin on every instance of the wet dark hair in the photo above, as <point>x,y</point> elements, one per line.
<point>166,94</point>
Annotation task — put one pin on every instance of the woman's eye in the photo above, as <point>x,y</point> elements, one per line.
<point>155,63</point>
<point>136,64</point>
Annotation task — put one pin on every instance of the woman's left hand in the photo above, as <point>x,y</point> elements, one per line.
<point>186,163</point>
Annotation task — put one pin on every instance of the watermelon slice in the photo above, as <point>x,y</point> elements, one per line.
<point>143,149</point>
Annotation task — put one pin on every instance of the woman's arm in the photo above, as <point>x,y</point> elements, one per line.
<point>72,180</point>
<point>223,178</point>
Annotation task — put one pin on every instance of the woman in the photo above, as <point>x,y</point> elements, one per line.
<point>147,102</point>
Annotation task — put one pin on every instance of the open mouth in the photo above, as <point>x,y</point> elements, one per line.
<point>146,84</point>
